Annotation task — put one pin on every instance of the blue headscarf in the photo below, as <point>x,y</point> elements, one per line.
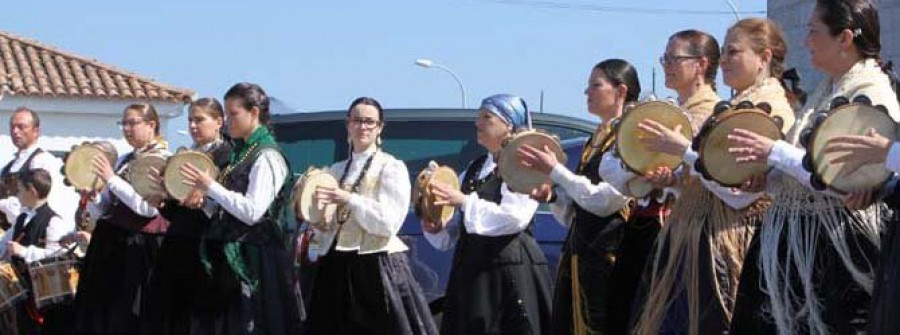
<point>509,108</point>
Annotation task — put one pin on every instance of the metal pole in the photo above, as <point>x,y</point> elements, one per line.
<point>462,89</point>
<point>734,9</point>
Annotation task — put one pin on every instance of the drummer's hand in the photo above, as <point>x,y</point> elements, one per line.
<point>859,200</point>
<point>102,168</point>
<point>541,161</point>
<point>659,138</point>
<point>15,248</point>
<point>542,193</point>
<point>194,200</point>
<point>193,177</point>
<point>754,184</point>
<point>332,195</point>
<point>447,195</point>
<point>432,227</point>
<point>661,177</point>
<point>749,147</point>
<point>860,150</point>
<point>82,237</point>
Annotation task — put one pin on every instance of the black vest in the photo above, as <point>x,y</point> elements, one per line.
<point>36,232</point>
<point>120,214</point>
<point>480,251</point>
<point>226,227</point>
<point>9,182</point>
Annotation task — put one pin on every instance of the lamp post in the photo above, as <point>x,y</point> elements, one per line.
<point>427,63</point>
<point>734,9</point>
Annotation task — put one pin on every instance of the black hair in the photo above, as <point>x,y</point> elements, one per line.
<point>251,95</point>
<point>620,72</point>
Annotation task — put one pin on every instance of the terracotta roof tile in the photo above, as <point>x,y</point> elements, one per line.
<point>31,68</point>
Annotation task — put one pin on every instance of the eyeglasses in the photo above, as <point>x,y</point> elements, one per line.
<point>667,59</point>
<point>366,123</point>
<point>129,123</point>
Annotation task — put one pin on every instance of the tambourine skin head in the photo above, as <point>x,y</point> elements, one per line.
<point>319,215</point>
<point>629,136</point>
<point>744,105</point>
<point>849,119</point>
<point>765,107</point>
<point>862,99</point>
<point>716,162</point>
<point>172,179</point>
<point>839,101</point>
<point>721,106</point>
<point>519,178</point>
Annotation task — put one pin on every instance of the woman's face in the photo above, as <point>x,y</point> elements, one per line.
<point>681,68</point>
<point>824,49</point>
<point>741,66</point>
<point>604,99</point>
<point>241,121</point>
<point>363,126</point>
<point>138,132</point>
<point>203,126</point>
<point>491,130</point>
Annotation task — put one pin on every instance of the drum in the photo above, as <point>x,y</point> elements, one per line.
<point>79,169</point>
<point>11,290</point>
<point>172,178</point>
<point>319,215</point>
<point>423,199</point>
<point>53,280</point>
<point>715,162</point>
<point>845,118</point>
<point>635,156</point>
<point>140,169</point>
<point>518,177</point>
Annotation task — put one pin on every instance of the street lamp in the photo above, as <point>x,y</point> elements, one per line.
<point>427,63</point>
<point>734,9</point>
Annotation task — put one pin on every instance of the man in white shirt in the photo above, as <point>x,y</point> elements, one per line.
<point>25,129</point>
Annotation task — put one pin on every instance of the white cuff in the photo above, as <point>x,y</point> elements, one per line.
<point>690,156</point>
<point>784,155</point>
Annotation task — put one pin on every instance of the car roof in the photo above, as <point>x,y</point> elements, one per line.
<point>436,114</point>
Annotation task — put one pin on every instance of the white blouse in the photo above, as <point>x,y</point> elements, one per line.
<point>124,192</point>
<point>601,199</point>
<point>483,217</point>
<point>732,197</point>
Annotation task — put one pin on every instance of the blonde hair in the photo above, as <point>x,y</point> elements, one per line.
<point>148,113</point>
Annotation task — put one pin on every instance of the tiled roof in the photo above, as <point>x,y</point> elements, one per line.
<point>31,68</point>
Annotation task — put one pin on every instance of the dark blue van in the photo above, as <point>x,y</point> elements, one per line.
<point>418,136</point>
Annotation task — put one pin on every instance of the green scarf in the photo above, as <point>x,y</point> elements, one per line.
<point>261,137</point>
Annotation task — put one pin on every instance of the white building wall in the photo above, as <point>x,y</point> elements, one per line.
<point>793,16</point>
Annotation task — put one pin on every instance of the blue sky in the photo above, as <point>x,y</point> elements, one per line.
<point>321,55</point>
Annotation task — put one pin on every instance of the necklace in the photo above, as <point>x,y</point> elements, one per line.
<point>230,168</point>
<point>343,211</point>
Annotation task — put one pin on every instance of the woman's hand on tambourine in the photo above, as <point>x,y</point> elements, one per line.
<point>661,177</point>
<point>446,195</point>
<point>754,184</point>
<point>332,195</point>
<point>749,147</point>
<point>156,199</point>
<point>542,193</point>
<point>859,200</point>
<point>541,161</point>
<point>432,227</point>
<point>102,167</point>
<point>659,138</point>
<point>194,177</point>
<point>859,150</point>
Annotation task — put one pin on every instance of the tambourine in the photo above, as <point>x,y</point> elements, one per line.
<point>629,147</point>
<point>79,169</point>
<point>518,177</point>
<point>715,162</point>
<point>173,181</point>
<point>845,118</point>
<point>319,215</point>
<point>139,171</point>
<point>423,199</point>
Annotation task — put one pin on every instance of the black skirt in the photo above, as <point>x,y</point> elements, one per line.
<point>113,280</point>
<point>368,294</point>
<point>223,305</point>
<point>498,285</point>
<point>886,297</point>
<point>173,285</point>
<point>845,305</point>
